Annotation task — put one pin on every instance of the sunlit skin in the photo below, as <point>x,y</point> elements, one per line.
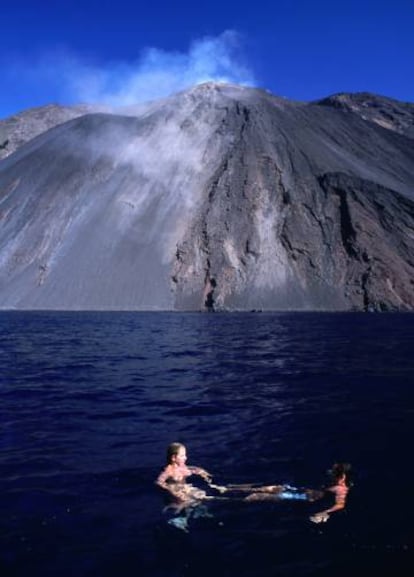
<point>173,478</point>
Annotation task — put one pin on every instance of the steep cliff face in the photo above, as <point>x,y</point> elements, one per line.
<point>221,197</point>
<point>299,187</point>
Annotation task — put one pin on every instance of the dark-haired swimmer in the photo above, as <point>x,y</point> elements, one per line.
<point>340,487</point>
<point>340,479</point>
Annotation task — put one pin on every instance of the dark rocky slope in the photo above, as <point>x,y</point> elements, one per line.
<point>221,197</point>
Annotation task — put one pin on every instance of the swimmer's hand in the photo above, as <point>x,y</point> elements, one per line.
<point>319,518</point>
<point>219,488</point>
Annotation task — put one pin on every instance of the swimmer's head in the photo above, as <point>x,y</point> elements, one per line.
<point>340,471</point>
<point>174,450</point>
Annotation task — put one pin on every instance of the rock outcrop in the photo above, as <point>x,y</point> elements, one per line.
<point>219,198</point>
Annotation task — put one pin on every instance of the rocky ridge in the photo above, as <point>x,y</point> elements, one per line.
<point>387,112</point>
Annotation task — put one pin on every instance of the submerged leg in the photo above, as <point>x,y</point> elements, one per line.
<point>262,496</point>
<point>249,487</point>
<point>283,492</point>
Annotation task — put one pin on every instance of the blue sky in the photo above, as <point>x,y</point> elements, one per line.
<point>122,52</point>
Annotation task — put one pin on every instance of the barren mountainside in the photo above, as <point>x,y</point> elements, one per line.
<point>22,127</point>
<point>218,198</point>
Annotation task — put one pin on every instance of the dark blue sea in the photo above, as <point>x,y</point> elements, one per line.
<point>90,401</point>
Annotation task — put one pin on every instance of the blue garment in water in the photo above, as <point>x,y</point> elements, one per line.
<point>290,492</point>
<point>292,495</point>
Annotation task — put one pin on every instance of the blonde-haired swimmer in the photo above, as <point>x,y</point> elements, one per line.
<point>173,478</point>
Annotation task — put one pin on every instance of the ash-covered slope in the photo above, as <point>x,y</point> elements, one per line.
<point>221,197</point>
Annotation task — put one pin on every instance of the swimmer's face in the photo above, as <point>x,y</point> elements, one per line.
<point>181,456</point>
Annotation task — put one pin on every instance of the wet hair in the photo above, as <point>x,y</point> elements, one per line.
<point>338,470</point>
<point>172,450</point>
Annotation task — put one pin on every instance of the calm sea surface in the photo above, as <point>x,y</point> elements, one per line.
<point>89,402</point>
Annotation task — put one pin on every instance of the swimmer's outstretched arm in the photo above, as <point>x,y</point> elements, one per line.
<point>323,516</point>
<point>202,473</point>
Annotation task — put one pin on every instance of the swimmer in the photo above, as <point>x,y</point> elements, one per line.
<point>340,474</point>
<point>173,478</point>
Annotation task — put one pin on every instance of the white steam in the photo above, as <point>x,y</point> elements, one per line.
<point>63,77</point>
<point>158,73</point>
